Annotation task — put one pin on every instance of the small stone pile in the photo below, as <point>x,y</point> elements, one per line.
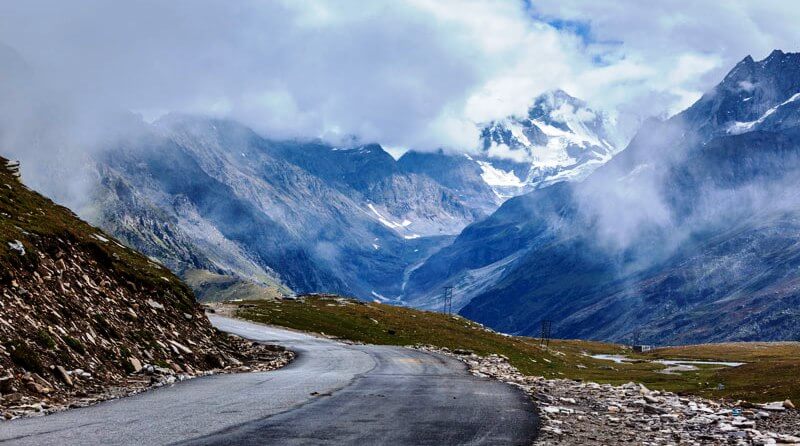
<point>587,413</point>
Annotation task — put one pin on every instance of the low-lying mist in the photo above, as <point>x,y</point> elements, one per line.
<point>673,187</point>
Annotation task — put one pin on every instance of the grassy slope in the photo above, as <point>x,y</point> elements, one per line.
<point>771,378</point>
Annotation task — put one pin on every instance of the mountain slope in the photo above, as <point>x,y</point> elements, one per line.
<point>212,195</point>
<point>560,140</point>
<point>79,311</point>
<point>485,250</point>
<point>687,236</point>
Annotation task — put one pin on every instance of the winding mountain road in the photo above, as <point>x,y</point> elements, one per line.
<point>332,393</point>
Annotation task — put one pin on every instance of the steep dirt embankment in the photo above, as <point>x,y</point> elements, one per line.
<point>84,318</point>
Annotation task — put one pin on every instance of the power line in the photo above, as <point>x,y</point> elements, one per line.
<point>544,340</point>
<point>448,300</point>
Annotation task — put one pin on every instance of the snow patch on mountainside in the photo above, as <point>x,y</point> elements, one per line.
<point>386,222</point>
<point>737,128</point>
<point>498,177</point>
<point>577,134</point>
<point>403,228</point>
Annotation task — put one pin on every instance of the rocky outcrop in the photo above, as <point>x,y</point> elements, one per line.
<point>83,318</point>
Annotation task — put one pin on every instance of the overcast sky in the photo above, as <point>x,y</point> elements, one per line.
<point>415,73</point>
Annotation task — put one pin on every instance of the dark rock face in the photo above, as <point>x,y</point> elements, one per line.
<point>747,93</point>
<point>688,235</point>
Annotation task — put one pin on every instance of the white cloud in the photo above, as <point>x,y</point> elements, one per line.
<point>672,50</point>
<point>407,74</point>
<point>505,152</point>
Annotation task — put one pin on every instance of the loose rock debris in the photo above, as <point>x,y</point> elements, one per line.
<point>587,413</point>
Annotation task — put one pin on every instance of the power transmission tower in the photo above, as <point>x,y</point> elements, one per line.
<point>544,341</point>
<point>448,300</point>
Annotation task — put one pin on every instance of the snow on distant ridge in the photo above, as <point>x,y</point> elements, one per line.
<point>403,228</point>
<point>737,127</point>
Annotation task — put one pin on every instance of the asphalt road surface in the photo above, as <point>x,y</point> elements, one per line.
<point>332,393</point>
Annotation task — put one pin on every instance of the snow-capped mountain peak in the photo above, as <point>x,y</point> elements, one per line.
<point>560,139</point>
<point>755,95</point>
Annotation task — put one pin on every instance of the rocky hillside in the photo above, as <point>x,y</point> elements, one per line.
<point>81,314</point>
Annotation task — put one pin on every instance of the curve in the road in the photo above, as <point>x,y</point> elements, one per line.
<point>331,394</point>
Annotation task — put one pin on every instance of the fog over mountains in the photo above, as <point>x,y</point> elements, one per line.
<point>212,195</point>
<point>215,196</point>
<point>689,235</point>
<point>686,233</point>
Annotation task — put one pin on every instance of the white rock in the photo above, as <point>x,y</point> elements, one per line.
<point>17,246</point>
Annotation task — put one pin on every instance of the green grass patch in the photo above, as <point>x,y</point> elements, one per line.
<point>44,339</point>
<point>75,344</point>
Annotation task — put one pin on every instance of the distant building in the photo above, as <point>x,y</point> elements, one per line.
<point>642,348</point>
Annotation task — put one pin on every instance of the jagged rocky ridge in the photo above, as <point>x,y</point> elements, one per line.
<point>689,235</point>
<point>84,318</point>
